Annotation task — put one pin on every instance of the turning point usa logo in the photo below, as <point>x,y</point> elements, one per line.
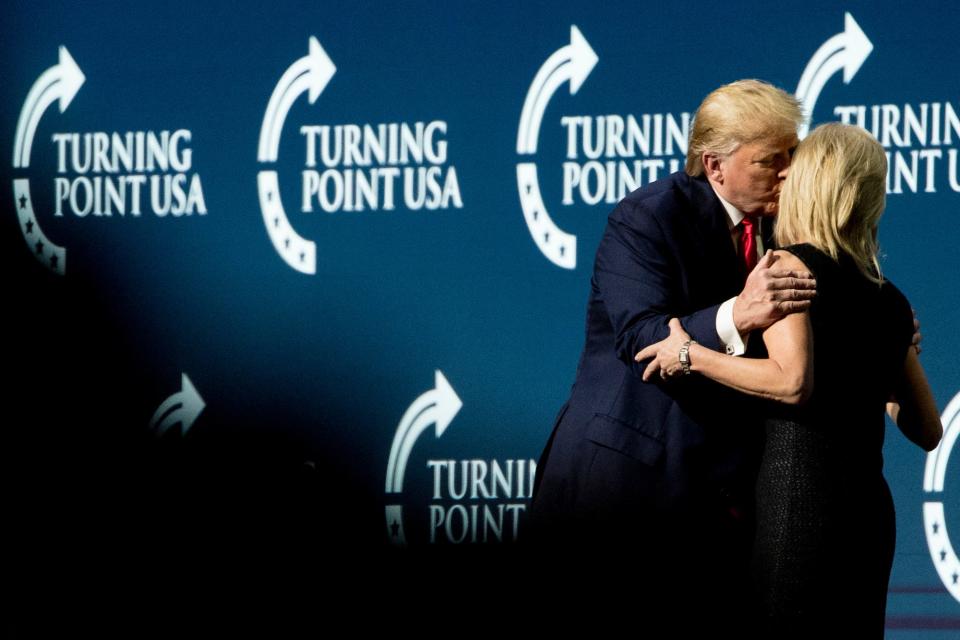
<point>942,552</point>
<point>99,174</point>
<point>364,167</point>
<point>470,500</point>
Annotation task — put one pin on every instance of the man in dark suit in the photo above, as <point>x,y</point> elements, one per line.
<point>652,482</point>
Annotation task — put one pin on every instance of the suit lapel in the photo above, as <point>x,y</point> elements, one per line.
<point>711,232</point>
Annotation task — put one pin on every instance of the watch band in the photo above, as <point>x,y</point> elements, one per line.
<point>685,356</point>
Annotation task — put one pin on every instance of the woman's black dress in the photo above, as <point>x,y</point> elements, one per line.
<point>825,518</point>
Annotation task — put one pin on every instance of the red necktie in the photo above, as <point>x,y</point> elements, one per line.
<point>748,244</point>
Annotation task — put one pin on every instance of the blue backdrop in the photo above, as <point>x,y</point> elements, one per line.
<point>273,275</point>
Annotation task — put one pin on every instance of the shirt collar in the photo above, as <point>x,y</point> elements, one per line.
<point>734,215</point>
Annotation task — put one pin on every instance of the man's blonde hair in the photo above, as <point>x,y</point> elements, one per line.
<point>834,195</point>
<point>740,113</point>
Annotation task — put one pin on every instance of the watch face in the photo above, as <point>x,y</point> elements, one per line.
<point>685,357</point>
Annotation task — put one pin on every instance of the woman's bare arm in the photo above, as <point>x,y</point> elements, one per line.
<point>914,409</point>
<point>785,376</point>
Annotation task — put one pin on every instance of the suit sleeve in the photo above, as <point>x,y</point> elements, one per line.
<point>639,277</point>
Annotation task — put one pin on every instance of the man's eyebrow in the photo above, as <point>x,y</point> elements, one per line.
<point>769,154</point>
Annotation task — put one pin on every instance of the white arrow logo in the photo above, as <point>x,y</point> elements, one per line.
<point>308,74</point>
<point>572,63</point>
<point>847,51</point>
<point>60,82</point>
<point>934,519</point>
<point>438,406</point>
<point>182,407</point>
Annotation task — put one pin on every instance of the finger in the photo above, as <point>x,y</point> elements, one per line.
<point>791,280</point>
<point>792,306</point>
<point>675,325</point>
<point>791,273</point>
<point>650,370</point>
<point>647,352</point>
<point>792,294</point>
<point>768,259</point>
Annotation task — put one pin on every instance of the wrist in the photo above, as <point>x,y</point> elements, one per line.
<point>696,354</point>
<point>741,321</point>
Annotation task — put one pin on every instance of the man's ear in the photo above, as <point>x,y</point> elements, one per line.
<point>711,166</point>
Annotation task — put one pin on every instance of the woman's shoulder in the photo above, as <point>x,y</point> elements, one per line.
<point>809,258</point>
<point>787,258</point>
<point>896,301</point>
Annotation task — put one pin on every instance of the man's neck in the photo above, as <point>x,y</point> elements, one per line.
<point>734,215</point>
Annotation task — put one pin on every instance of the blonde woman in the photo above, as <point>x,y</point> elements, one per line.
<point>825,520</point>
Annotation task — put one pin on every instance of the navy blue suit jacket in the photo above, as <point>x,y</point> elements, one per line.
<point>623,447</point>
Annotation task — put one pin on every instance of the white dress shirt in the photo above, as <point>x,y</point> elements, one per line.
<point>734,344</point>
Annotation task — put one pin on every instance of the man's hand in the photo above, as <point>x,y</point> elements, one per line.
<point>769,294</point>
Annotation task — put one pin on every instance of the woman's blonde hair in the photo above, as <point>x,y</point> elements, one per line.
<point>834,195</point>
<point>740,113</point>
